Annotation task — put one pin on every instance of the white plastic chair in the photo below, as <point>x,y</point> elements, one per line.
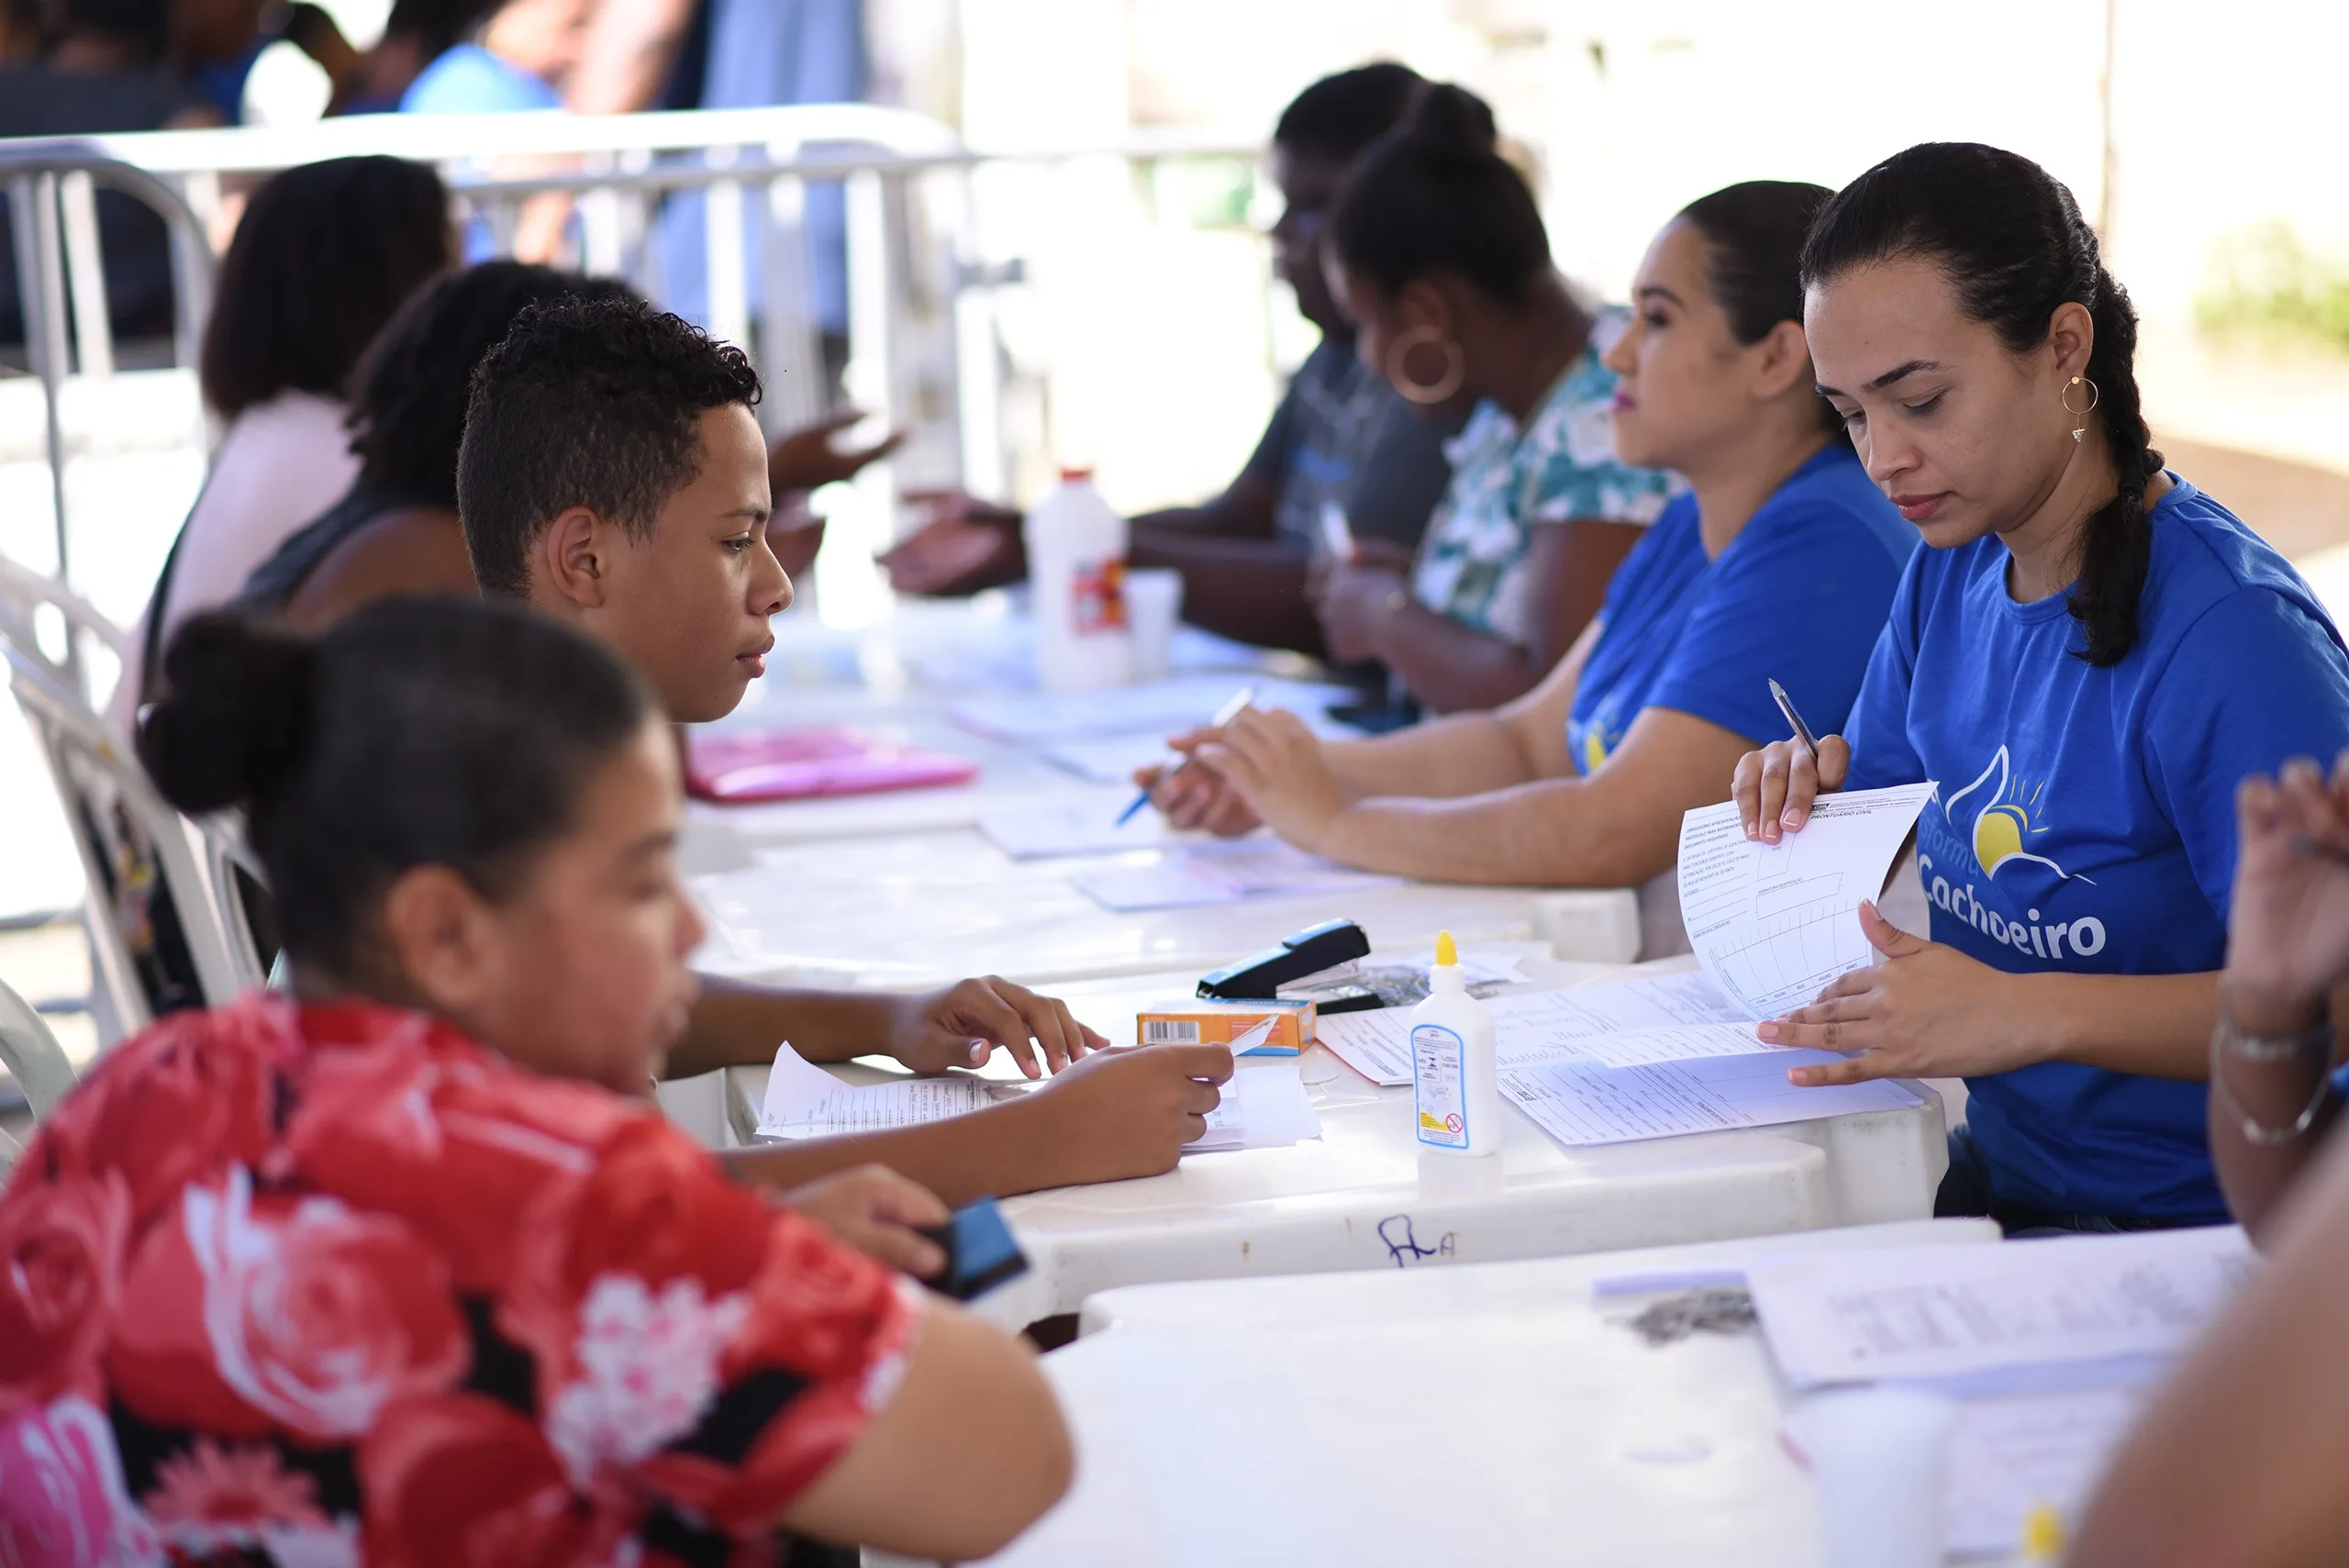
<point>31,1051</point>
<point>24,593</point>
<point>167,918</point>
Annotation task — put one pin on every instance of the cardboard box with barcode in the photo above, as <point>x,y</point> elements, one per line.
<point>1193,1021</point>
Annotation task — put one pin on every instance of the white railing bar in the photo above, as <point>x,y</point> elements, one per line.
<point>451,138</point>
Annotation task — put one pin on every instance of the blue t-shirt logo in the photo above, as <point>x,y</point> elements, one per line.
<point>1988,822</point>
<point>2002,818</point>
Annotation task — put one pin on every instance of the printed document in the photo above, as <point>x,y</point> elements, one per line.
<point>1264,1106</point>
<point>805,1101</point>
<point>1087,826</point>
<point>2007,1456</point>
<point>2065,1313</point>
<point>1581,1102</point>
<point>1219,872</point>
<point>1651,1018</point>
<point>1774,924</point>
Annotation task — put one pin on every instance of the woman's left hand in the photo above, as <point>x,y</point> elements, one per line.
<point>1357,602</point>
<point>1927,1011</point>
<point>960,1026</point>
<point>1276,763</point>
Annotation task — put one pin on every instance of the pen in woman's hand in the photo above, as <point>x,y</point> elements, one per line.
<point>1231,709</point>
<point>1794,719</point>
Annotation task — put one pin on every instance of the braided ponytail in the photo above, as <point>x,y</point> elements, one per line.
<point>2117,548</point>
<point>2015,248</point>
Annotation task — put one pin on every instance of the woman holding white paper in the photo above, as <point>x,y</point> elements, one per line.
<point>1583,780</point>
<point>2086,659</point>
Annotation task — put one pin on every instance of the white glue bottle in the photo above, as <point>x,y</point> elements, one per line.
<point>1077,570</point>
<point>1454,1080</point>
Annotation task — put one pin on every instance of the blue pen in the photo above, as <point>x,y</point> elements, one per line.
<point>1223,715</point>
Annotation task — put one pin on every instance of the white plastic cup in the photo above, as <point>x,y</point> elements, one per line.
<point>1154,607</point>
<point>1877,1457</point>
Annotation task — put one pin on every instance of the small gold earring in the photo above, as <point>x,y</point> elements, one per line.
<point>2079,431</point>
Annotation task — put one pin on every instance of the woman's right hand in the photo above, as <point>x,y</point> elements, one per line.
<point>1127,1111</point>
<point>1195,795</point>
<point>1774,787</point>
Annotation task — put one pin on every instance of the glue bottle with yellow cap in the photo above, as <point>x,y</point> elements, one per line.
<point>1454,1079</point>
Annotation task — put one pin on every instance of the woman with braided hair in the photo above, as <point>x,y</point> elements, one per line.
<point>2088,660</point>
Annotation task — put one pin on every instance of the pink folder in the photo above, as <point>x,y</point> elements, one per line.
<point>795,764</point>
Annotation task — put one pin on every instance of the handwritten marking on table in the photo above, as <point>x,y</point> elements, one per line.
<point>1405,1248</point>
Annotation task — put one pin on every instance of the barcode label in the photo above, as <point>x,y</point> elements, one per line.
<point>1171,1031</point>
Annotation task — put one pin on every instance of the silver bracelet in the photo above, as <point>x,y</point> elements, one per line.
<point>2274,1047</point>
<point>2257,1133</point>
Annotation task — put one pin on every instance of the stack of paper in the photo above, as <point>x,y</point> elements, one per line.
<point>2051,1346</point>
<point>2072,1312</point>
<point>1264,1106</point>
<point>1220,872</point>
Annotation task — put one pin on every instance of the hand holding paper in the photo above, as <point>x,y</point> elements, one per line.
<point>1929,1011</point>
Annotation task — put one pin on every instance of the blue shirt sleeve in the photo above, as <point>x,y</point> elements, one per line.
<point>2255,682</point>
<point>469,80</point>
<point>1800,601</point>
<point>1882,754</point>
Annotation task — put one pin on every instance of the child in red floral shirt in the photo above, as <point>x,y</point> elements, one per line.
<point>321,1279</point>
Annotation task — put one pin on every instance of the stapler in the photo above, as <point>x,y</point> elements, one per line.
<point>1260,976</point>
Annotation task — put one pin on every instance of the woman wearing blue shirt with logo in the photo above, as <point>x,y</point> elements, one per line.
<point>1583,779</point>
<point>2088,660</point>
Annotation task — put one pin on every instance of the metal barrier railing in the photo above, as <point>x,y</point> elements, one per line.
<point>923,351</point>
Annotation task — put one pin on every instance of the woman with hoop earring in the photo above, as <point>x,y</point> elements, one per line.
<point>1436,250</point>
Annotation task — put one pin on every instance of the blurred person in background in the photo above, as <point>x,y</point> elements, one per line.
<point>214,44</point>
<point>416,33</point>
<point>1437,253</point>
<point>322,256</point>
<point>1340,437</point>
<point>102,67</point>
<point>518,58</point>
<point>1585,781</point>
<point>395,529</point>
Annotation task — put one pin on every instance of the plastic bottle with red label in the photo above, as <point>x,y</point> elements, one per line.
<point>1076,569</point>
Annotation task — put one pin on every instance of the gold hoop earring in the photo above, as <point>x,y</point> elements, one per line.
<point>2079,431</point>
<point>1426,393</point>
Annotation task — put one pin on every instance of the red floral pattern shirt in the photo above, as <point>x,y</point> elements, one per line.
<point>319,1285</point>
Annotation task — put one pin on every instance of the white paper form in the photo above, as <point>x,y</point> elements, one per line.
<point>1674,1014</point>
<point>1772,924</point>
<point>1219,873</point>
<point>1583,1103</point>
<point>1040,829</point>
<point>1156,707</point>
<point>2007,1456</point>
<point>1113,759</point>
<point>805,1101</point>
<point>1264,1106</point>
<point>2071,1312</point>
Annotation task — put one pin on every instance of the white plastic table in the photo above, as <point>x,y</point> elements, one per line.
<point>1492,1415</point>
<point>898,889</point>
<point>1363,1197</point>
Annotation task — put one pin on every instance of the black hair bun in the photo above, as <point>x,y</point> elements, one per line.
<point>1452,122</point>
<point>235,717</point>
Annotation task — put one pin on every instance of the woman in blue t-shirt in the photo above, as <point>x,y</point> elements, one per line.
<point>2088,659</point>
<point>1585,779</point>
